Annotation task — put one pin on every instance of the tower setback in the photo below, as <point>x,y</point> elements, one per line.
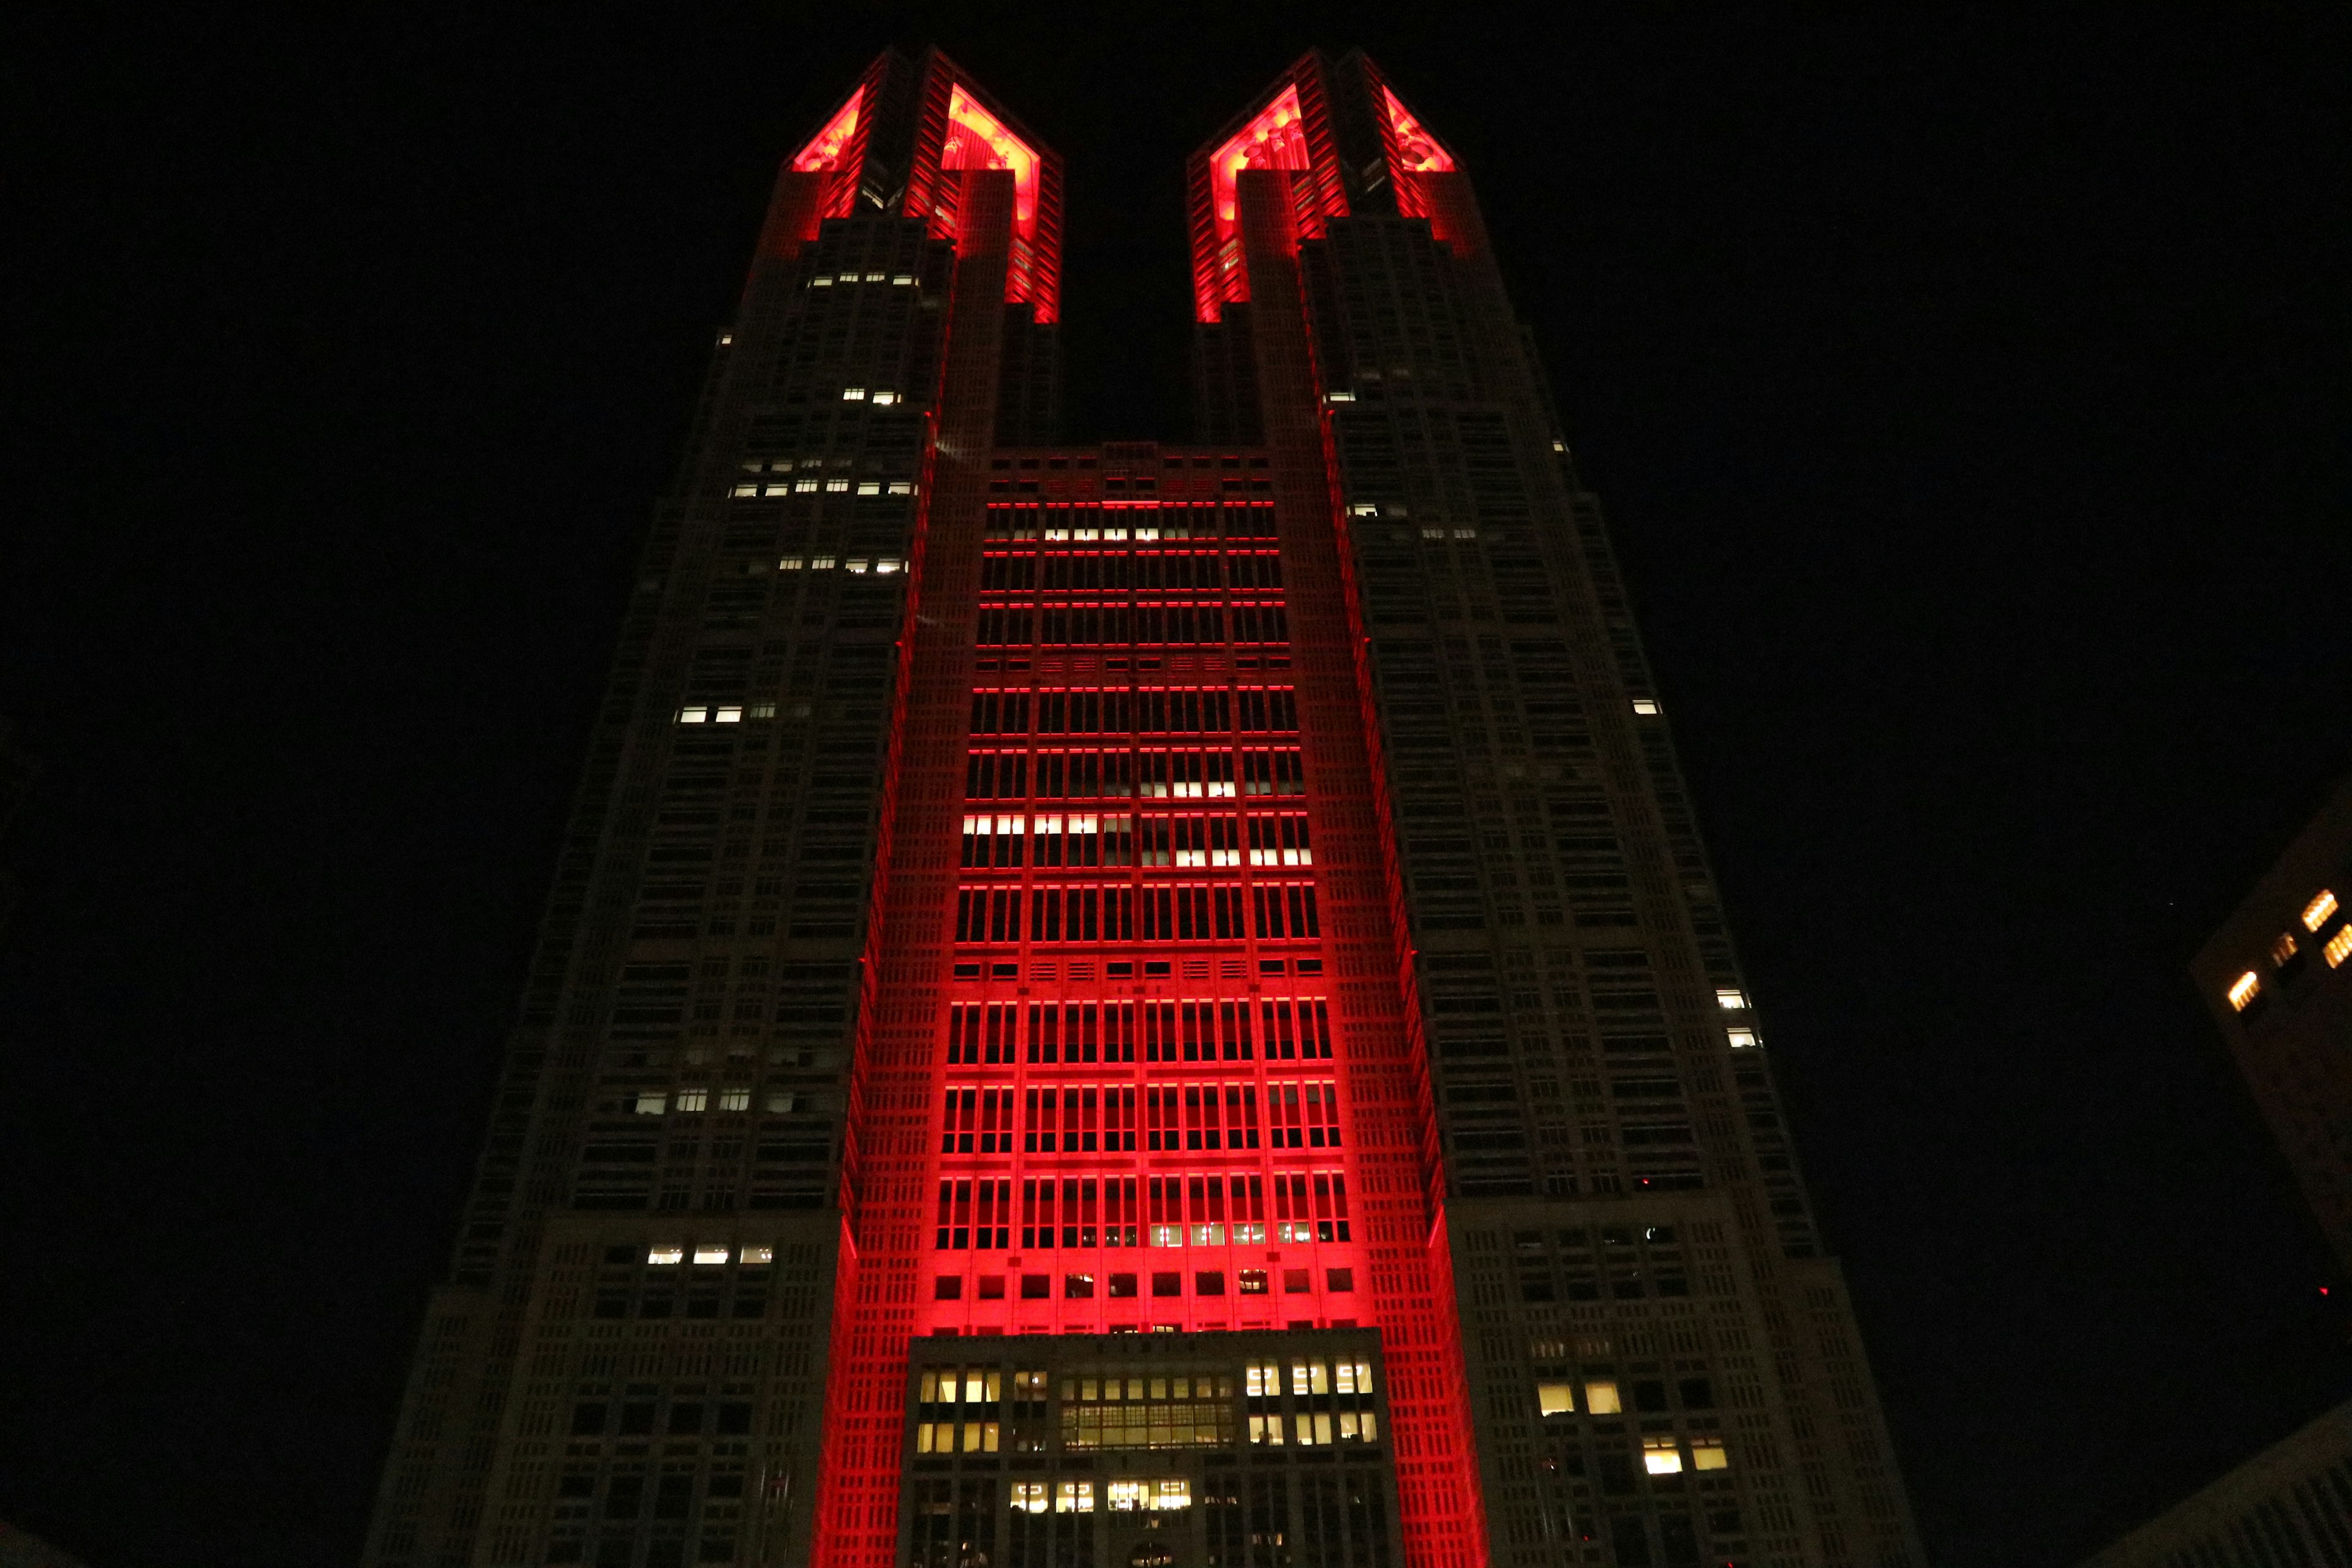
<point>1142,1003</point>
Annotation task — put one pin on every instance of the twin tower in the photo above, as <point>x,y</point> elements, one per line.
<point>1149,1005</point>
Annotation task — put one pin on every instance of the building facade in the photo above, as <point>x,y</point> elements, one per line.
<point>1220,922</point>
<point>2275,976</point>
<point>2292,1503</point>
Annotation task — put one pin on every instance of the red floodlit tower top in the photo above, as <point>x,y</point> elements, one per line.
<point>902,126</point>
<point>1288,129</point>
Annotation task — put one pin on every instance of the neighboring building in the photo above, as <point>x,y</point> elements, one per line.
<point>2277,978</point>
<point>20,1549</point>
<point>1230,907</point>
<point>2288,1507</point>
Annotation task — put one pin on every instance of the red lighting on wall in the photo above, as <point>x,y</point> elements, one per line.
<point>823,154</point>
<point>1286,135</point>
<point>1413,153</point>
<point>962,132</point>
<point>838,153</point>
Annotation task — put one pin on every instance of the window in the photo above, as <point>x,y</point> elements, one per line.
<point>654,1104</point>
<point>1168,1284</point>
<point>711,1255</point>
<point>1340,1282</point>
<point>1645,706</point>
<point>1029,1497</point>
<point>1706,1454</point>
<point>757,1255</point>
<point>1556,1398</point>
<point>2316,913</point>
<point>2283,948</point>
<point>1252,1280</point>
<point>693,1098</point>
<point>1035,1287</point>
<point>2339,947</point>
<point>852,395</point>
<point>1660,1457</point>
<point>1742,1039</point>
<point>947,1287</point>
<point>1600,1398</point>
<point>2243,990</point>
<point>693,715</point>
<point>665,1255</point>
<point>734,1100</point>
<point>1075,1497</point>
<point>1296,1281</point>
<point>1729,1000</point>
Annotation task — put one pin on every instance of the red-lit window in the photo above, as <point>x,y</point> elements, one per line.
<point>1295,1029</point>
<point>1286,911</point>
<point>980,1033</point>
<point>1303,1115</point>
<point>974,1215</point>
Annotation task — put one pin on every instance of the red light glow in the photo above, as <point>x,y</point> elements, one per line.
<point>823,152</point>
<point>976,140</point>
<point>1416,151</point>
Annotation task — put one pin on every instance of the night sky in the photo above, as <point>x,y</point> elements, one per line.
<point>1968,391</point>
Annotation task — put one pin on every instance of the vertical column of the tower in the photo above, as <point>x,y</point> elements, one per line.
<point>1443,1522</point>
<point>898,1051</point>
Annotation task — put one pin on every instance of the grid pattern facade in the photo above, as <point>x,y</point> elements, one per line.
<point>1031,908</point>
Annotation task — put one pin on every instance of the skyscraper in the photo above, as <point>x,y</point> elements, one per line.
<point>1142,1003</point>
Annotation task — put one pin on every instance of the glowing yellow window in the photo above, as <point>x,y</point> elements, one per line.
<point>2316,913</point>
<point>1660,1457</point>
<point>2244,989</point>
<point>1556,1398</point>
<point>2339,947</point>
<point>2282,949</point>
<point>1706,1454</point>
<point>1075,1497</point>
<point>1029,1497</point>
<point>1600,1399</point>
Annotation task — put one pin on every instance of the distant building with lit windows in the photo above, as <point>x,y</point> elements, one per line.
<point>2290,1506</point>
<point>2278,978</point>
<point>1144,1004</point>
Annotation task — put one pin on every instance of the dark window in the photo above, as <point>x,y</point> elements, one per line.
<point>1209,1282</point>
<point>624,1497</point>
<point>576,1485</point>
<point>675,1493</point>
<point>991,1287</point>
<point>1077,1286</point>
<point>1340,1281</point>
<point>684,1418</point>
<point>1168,1284</point>
<point>1649,1394</point>
<point>1036,1287</point>
<point>1122,1284</point>
<point>947,1287</point>
<point>587,1420</point>
<point>734,1418</point>
<point>1697,1393</point>
<point>636,1420</point>
<point>1296,1281</point>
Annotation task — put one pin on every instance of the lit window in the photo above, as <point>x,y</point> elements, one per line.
<point>734,1100</point>
<point>711,1255</point>
<point>1660,1457</point>
<point>1340,397</point>
<point>1029,1497</point>
<point>1742,1039</point>
<point>1364,509</point>
<point>759,1254</point>
<point>781,1101</point>
<point>804,487</point>
<point>869,487</point>
<point>1600,1399</point>
<point>778,489</point>
<point>1125,1497</point>
<point>1559,445</point>
<point>820,282</point>
<point>693,1098</point>
<point>1433,533</point>
<point>1646,706</point>
<point>2243,990</point>
<point>652,1104</point>
<point>2282,949</point>
<point>747,489</point>
<point>885,398</point>
<point>874,277</point>
<point>1466,533</point>
<point>1262,1379</point>
<point>1075,1497</point>
<point>902,281</point>
<point>692,715</point>
<point>852,395</point>
<point>2316,913</point>
<point>1172,1494</point>
<point>666,1255</point>
<point>1706,1454</point>
<point>725,338</point>
<point>1167,1235</point>
<point>887,564</point>
<point>836,487</point>
<point>1729,1000</point>
<point>726,715</point>
<point>1556,1398</point>
<point>857,565</point>
<point>763,709</point>
<point>2339,947</point>
<point>902,487</point>
<point>819,563</point>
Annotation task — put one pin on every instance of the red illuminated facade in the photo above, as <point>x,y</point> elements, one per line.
<point>1136,1003</point>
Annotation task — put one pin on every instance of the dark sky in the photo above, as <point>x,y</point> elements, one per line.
<point>1967,391</point>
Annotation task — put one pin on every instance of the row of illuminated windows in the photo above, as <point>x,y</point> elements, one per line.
<point>1008,840</point>
<point>1606,1396</point>
<point>2247,989</point>
<point>900,279</point>
<point>1191,566</point>
<point>1287,1028</point>
<point>1282,912</point>
<point>663,1254</point>
<point>1119,1497</point>
<point>855,565</point>
<point>1122,710</point>
<point>980,1214</point>
<point>1165,1284</point>
<point>688,1102</point>
<point>1171,462</point>
<point>1142,774</point>
<point>807,485</point>
<point>1056,524</point>
<point>1081,1121</point>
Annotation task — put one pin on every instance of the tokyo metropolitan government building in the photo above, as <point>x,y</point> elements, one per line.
<point>1139,1005</point>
